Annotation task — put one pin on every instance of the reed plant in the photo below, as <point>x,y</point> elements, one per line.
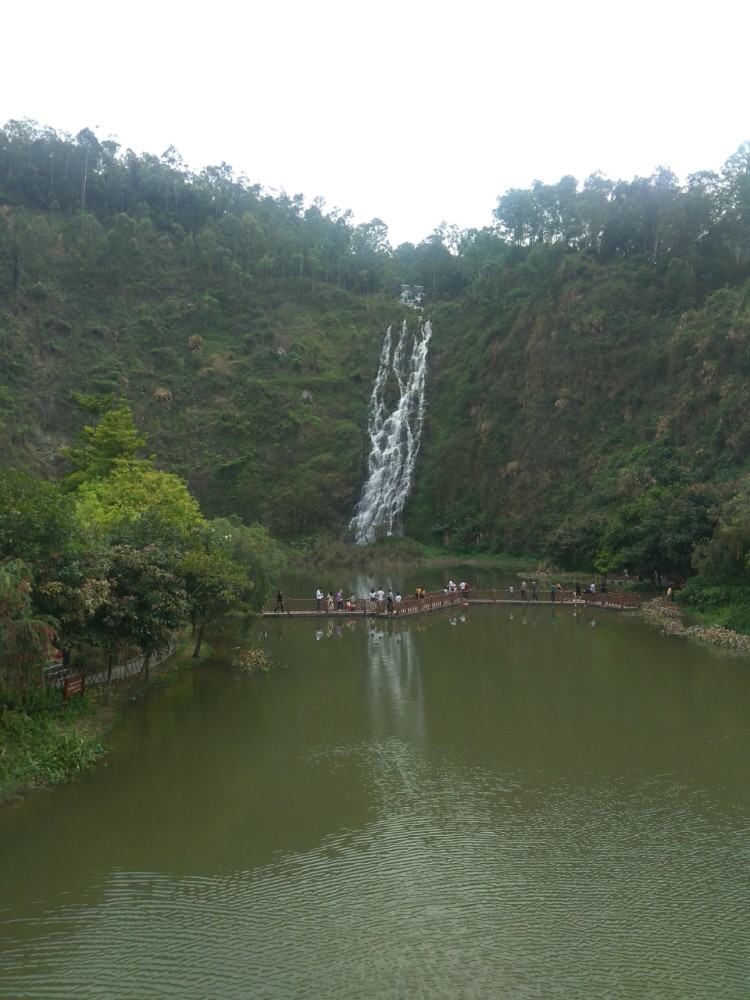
<point>39,742</point>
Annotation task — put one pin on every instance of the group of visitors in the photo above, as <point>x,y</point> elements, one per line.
<point>591,588</point>
<point>378,600</point>
<point>381,600</point>
<point>335,602</point>
<point>555,588</point>
<point>525,591</point>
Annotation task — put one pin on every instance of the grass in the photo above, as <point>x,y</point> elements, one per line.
<point>40,743</point>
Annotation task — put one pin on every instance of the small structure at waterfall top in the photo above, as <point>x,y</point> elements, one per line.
<point>411,295</point>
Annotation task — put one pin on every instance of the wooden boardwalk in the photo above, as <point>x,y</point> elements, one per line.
<point>297,607</point>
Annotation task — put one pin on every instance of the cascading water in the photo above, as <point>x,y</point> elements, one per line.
<point>394,435</point>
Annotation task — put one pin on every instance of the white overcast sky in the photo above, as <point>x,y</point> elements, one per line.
<point>412,112</point>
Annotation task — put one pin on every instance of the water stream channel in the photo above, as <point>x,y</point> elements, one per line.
<point>505,802</point>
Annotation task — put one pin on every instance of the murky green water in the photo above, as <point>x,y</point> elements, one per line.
<point>502,804</point>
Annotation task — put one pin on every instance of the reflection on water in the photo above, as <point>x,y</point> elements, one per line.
<point>519,802</point>
<point>395,686</point>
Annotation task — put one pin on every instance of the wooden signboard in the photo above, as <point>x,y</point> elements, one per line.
<point>73,686</point>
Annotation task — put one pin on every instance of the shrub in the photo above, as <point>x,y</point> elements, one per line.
<point>35,751</point>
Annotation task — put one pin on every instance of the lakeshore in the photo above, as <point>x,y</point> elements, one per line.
<point>669,618</point>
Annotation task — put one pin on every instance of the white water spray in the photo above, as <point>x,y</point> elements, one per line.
<point>394,435</point>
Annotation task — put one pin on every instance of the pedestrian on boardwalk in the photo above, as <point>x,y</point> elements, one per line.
<point>524,596</point>
<point>279,603</point>
<point>552,591</point>
<point>534,590</point>
<point>318,598</point>
<point>510,592</point>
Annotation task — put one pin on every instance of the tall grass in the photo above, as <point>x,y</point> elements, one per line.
<point>39,744</point>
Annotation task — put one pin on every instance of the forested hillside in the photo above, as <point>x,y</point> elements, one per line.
<point>587,389</point>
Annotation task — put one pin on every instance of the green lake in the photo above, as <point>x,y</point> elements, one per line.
<point>500,802</point>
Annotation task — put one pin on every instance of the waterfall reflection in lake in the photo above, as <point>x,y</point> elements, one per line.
<point>493,806</point>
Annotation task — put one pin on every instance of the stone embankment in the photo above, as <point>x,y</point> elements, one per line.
<point>668,617</point>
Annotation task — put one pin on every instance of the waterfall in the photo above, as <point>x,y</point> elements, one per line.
<point>394,433</point>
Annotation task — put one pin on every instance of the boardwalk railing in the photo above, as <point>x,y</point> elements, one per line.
<point>55,675</point>
<point>617,600</point>
<point>364,606</point>
<point>438,599</point>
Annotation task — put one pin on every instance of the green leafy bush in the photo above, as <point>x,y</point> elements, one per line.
<point>35,750</point>
<point>727,605</point>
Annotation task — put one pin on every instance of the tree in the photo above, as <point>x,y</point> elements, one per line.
<point>658,531</point>
<point>144,601</point>
<point>114,439</point>
<point>92,152</point>
<point>518,215</point>
<point>725,556</point>
<point>483,256</point>
<point>38,525</point>
<point>217,586</point>
<point>594,207</point>
<point>735,195</point>
<point>437,269</point>
<point>131,490</point>
<point>372,255</point>
<point>36,518</point>
<point>24,637</point>
<point>252,547</point>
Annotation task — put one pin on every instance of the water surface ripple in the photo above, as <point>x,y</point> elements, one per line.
<point>445,862</point>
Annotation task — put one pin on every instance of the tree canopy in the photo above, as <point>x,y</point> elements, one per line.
<point>124,558</point>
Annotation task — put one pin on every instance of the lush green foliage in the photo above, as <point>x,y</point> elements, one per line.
<point>724,604</point>
<point>126,559</point>
<point>24,637</point>
<point>38,745</point>
<point>588,378</point>
<point>228,572</point>
<point>585,418</point>
<point>106,445</point>
<point>131,489</point>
